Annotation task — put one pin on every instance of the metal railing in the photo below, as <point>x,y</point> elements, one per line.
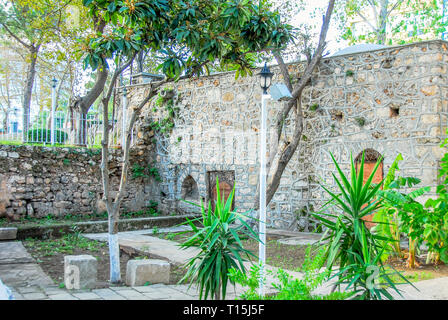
<point>68,129</point>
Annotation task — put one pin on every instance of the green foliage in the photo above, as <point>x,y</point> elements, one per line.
<point>409,214</point>
<point>387,217</point>
<point>288,288</point>
<point>187,37</point>
<point>218,239</point>
<point>145,172</point>
<point>44,135</point>
<point>436,225</point>
<point>349,73</point>
<point>395,22</point>
<point>314,107</point>
<point>360,121</point>
<point>351,243</point>
<point>66,245</point>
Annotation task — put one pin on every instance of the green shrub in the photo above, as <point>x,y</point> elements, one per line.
<point>218,239</point>
<point>351,244</point>
<point>287,287</point>
<point>44,135</point>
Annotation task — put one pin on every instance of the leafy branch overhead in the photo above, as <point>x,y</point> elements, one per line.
<point>187,36</point>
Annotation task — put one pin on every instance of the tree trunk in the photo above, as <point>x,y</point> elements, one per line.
<point>114,248</point>
<point>5,122</point>
<point>382,22</point>
<point>83,104</point>
<point>285,155</point>
<point>30,75</point>
<point>113,206</point>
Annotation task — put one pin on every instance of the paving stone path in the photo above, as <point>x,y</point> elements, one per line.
<point>20,272</point>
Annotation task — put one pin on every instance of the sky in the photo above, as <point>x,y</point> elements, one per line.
<point>316,21</point>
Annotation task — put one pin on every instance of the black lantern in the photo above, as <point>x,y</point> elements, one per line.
<point>265,78</point>
<point>55,81</point>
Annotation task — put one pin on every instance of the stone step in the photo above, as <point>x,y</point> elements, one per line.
<point>8,234</point>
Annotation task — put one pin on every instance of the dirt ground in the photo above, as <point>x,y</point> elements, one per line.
<point>421,272</point>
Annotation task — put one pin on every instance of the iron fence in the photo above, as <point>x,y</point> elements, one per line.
<point>68,129</point>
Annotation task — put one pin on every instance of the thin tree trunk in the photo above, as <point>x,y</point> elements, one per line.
<point>285,155</point>
<point>5,122</point>
<point>30,75</point>
<point>382,21</point>
<point>113,206</point>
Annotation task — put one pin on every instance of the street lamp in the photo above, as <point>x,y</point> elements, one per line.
<point>265,78</point>
<point>265,82</point>
<point>53,108</point>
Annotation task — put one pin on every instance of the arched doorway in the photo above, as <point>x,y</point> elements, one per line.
<point>371,157</point>
<point>190,190</point>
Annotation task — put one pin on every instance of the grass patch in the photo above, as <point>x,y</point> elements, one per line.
<point>65,245</point>
<point>288,257</point>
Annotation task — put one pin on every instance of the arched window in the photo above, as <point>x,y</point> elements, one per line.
<point>370,159</point>
<point>190,189</point>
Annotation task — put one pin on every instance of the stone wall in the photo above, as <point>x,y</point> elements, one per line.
<point>392,100</point>
<point>39,181</point>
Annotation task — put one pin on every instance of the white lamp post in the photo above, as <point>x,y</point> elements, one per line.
<point>265,82</point>
<point>53,108</point>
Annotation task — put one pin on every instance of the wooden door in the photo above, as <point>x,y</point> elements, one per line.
<point>224,190</point>
<point>226,182</point>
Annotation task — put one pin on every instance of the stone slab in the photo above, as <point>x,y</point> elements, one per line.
<point>87,271</point>
<point>62,296</point>
<point>86,296</point>
<point>8,234</point>
<point>139,272</point>
<point>34,296</point>
<point>23,275</point>
<point>14,252</point>
<point>108,294</point>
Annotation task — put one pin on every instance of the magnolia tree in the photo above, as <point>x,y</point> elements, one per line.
<point>188,37</point>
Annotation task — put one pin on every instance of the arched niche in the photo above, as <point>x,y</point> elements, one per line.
<point>189,189</point>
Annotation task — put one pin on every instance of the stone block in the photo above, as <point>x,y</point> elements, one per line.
<point>8,233</point>
<point>139,272</point>
<point>80,272</point>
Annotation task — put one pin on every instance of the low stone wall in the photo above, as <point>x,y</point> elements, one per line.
<point>39,181</point>
<point>59,230</point>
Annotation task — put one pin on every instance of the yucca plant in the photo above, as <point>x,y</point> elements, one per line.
<point>218,238</point>
<point>350,242</point>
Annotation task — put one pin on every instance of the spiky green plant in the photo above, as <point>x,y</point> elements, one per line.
<point>350,242</point>
<point>218,238</point>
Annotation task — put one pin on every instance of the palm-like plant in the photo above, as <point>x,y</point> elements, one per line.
<point>218,239</point>
<point>351,243</point>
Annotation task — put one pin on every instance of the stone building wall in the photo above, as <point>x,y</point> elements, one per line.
<point>40,181</point>
<point>392,100</point>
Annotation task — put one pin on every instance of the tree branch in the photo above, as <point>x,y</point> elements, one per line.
<point>28,46</point>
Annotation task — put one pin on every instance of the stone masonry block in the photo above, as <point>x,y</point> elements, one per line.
<point>80,272</point>
<point>139,272</point>
<point>8,233</point>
